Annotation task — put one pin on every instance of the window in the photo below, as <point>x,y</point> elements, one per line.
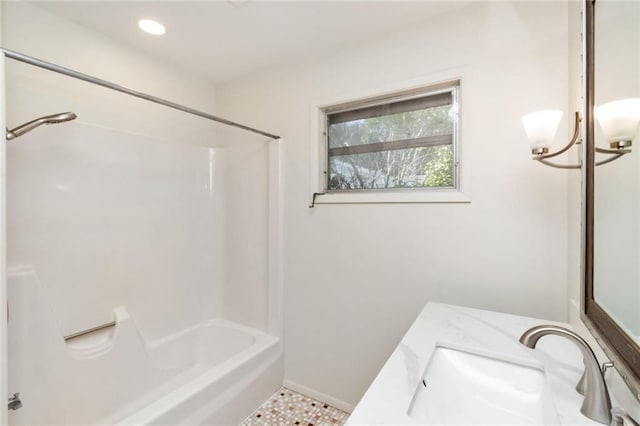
<point>404,141</point>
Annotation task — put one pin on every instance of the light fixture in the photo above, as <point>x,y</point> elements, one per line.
<point>619,121</point>
<point>541,128</point>
<point>151,27</point>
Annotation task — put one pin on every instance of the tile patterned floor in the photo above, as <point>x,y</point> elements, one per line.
<point>289,408</point>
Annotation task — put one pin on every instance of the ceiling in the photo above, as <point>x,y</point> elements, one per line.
<point>223,40</point>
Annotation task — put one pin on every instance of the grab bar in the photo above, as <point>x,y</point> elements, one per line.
<point>89,331</point>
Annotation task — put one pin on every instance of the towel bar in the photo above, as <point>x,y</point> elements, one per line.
<point>89,331</point>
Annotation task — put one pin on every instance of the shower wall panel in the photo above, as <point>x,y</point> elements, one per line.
<point>247,252</point>
<point>108,218</point>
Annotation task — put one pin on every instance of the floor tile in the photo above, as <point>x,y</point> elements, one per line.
<point>289,408</point>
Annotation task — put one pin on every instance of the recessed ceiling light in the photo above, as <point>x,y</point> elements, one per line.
<point>151,27</point>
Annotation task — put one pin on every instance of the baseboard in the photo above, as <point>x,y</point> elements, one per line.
<point>344,406</point>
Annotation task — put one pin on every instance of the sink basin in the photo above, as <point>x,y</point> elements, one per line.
<point>464,387</point>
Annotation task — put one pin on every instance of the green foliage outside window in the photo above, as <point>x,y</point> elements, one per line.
<point>423,166</point>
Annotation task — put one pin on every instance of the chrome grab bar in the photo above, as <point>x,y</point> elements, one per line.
<point>89,331</point>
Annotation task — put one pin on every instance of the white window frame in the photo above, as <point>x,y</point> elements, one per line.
<point>319,147</point>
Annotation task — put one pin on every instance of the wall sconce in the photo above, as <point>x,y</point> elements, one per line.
<point>619,121</point>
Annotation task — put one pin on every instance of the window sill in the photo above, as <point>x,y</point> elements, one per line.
<point>444,196</point>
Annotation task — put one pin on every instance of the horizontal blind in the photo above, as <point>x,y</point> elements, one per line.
<point>435,100</point>
<point>392,145</point>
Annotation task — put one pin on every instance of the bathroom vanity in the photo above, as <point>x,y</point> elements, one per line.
<point>458,365</point>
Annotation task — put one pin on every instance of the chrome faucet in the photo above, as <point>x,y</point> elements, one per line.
<point>596,405</point>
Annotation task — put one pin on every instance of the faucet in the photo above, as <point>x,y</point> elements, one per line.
<point>596,405</point>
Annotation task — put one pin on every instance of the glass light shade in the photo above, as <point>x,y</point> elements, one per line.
<point>619,120</point>
<point>541,127</point>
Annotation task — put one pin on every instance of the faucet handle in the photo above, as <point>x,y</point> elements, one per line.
<point>605,366</point>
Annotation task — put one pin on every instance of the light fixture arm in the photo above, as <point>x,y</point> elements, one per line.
<point>615,154</point>
<point>612,158</point>
<point>574,139</point>
<point>542,156</point>
<point>612,151</point>
<point>559,166</point>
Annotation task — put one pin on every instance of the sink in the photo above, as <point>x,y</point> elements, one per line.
<point>461,386</point>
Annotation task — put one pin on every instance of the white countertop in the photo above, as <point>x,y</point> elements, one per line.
<point>388,398</point>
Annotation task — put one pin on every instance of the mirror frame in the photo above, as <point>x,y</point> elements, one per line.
<point>618,346</point>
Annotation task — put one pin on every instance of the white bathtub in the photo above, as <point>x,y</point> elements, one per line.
<point>213,373</point>
<point>231,372</point>
<point>235,370</point>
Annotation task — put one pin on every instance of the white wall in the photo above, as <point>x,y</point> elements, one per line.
<point>246,226</point>
<point>355,276</point>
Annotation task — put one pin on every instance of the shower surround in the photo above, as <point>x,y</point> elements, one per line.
<point>138,215</point>
<point>106,225</point>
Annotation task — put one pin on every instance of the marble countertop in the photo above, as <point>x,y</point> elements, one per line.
<point>388,398</point>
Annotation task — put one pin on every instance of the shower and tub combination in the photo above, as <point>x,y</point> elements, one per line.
<point>117,258</point>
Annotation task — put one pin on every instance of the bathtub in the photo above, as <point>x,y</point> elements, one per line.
<point>232,371</point>
<point>215,372</point>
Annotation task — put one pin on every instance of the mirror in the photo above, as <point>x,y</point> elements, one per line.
<point>612,197</point>
<point>617,185</point>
